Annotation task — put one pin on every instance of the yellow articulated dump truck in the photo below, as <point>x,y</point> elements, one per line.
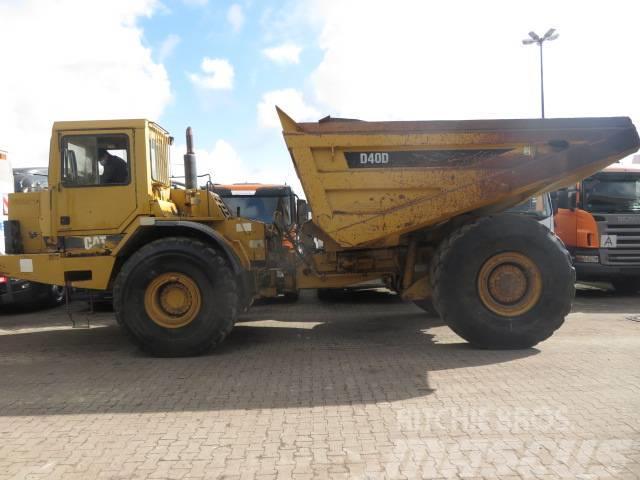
<point>413,204</point>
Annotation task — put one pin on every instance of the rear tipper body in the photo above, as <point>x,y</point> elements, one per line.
<point>368,181</point>
<point>414,205</point>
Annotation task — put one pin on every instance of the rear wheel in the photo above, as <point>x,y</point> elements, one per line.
<point>503,282</point>
<point>176,297</point>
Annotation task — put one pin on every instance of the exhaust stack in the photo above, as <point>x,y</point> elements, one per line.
<point>190,172</point>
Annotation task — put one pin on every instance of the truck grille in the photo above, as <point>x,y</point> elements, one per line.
<point>627,231</point>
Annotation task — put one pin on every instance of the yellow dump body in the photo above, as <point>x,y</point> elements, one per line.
<point>366,181</point>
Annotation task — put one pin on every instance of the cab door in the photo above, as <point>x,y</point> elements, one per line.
<point>89,198</point>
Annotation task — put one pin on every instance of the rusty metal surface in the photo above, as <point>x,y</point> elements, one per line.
<point>415,174</point>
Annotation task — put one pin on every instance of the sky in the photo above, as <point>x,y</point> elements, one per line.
<point>222,66</point>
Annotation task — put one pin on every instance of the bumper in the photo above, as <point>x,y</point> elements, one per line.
<point>591,271</point>
<point>54,269</point>
<point>598,271</point>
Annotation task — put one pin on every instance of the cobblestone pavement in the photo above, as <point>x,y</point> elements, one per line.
<point>368,388</point>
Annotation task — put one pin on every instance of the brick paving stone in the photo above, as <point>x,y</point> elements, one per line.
<point>368,388</point>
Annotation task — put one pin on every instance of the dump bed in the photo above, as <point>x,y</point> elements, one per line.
<point>366,181</point>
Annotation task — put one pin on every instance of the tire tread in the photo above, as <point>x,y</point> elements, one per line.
<point>218,266</point>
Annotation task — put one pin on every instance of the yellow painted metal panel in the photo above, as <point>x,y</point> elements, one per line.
<point>50,268</point>
<point>366,181</point>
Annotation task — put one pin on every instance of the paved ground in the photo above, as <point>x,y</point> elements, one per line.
<point>366,389</point>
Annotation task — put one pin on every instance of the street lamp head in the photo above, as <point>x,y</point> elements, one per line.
<point>535,38</point>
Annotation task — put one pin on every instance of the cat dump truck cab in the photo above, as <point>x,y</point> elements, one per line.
<point>415,205</point>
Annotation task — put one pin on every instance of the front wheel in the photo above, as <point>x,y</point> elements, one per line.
<point>176,297</point>
<point>504,281</point>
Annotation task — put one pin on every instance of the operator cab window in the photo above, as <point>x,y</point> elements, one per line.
<point>94,160</point>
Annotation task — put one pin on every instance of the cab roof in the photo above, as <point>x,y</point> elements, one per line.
<point>251,189</point>
<point>248,186</point>
<point>106,124</point>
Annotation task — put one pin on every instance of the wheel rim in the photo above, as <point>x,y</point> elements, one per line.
<point>509,284</point>
<point>172,300</point>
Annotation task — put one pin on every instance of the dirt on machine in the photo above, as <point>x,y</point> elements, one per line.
<point>414,205</point>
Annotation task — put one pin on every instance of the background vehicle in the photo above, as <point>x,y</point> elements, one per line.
<point>14,290</point>
<point>413,204</point>
<point>599,221</point>
<point>262,202</point>
<point>539,207</point>
<point>30,179</point>
<point>258,201</point>
<point>6,187</point>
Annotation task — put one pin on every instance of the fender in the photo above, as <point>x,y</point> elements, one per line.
<point>195,227</point>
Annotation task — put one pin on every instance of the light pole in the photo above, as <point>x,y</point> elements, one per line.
<point>535,38</point>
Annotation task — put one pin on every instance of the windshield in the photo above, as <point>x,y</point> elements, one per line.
<point>612,192</point>
<point>259,208</point>
<point>539,207</point>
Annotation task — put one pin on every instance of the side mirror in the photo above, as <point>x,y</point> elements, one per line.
<point>564,199</point>
<point>560,199</point>
<point>302,211</point>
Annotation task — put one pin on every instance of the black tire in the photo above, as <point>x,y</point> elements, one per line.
<point>626,286</point>
<point>455,276</point>
<point>206,268</point>
<point>427,306</point>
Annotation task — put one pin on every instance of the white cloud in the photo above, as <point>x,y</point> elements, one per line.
<point>217,74</point>
<point>291,101</point>
<point>93,69</point>
<point>226,165</point>
<point>195,3</point>
<point>168,46</point>
<point>235,17</point>
<point>285,53</point>
<point>427,60</point>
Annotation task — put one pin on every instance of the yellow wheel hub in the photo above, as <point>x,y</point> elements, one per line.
<point>172,300</point>
<point>509,284</point>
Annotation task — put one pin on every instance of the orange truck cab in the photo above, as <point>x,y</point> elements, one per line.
<point>265,202</point>
<point>258,201</point>
<point>599,222</point>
